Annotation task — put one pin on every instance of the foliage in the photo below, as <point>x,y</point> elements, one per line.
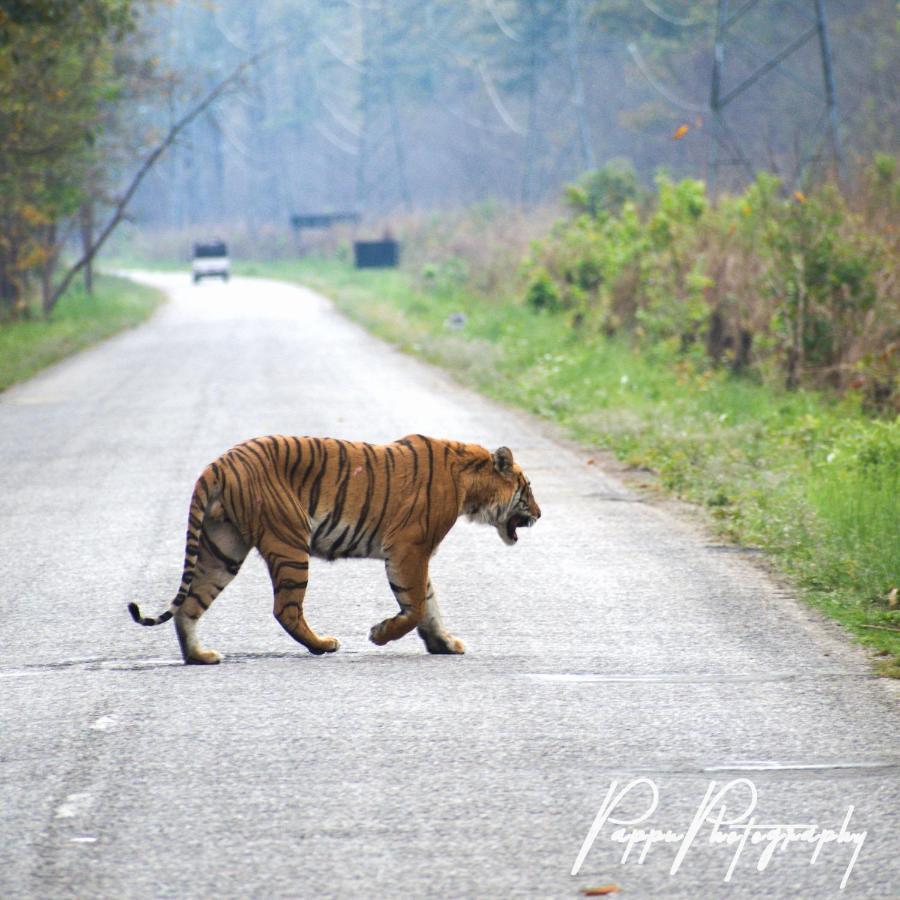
<point>604,190</point>
<point>542,293</point>
<point>77,321</point>
<point>799,284</point>
<point>57,76</point>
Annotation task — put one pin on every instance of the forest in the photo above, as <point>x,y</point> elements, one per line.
<point>721,175</point>
<point>385,108</point>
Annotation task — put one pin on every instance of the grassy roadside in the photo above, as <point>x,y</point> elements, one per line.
<point>78,321</point>
<point>808,478</point>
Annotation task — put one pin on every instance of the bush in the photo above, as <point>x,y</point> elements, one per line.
<point>604,191</point>
<point>804,286</point>
<point>542,293</point>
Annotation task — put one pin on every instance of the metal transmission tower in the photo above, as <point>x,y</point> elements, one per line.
<point>739,64</point>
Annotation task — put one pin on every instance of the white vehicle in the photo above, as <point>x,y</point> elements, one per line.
<point>210,261</point>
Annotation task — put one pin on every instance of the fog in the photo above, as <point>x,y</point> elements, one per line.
<point>379,107</point>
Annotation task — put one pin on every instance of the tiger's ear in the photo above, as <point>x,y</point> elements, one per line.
<point>503,460</point>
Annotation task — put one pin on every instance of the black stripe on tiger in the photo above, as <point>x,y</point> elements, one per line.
<point>316,488</point>
<point>405,442</point>
<point>336,546</point>
<point>298,458</point>
<point>359,532</point>
<point>428,486</point>
<point>232,566</point>
<point>135,611</point>
<point>388,467</point>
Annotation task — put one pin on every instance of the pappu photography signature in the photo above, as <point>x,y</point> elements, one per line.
<point>725,817</point>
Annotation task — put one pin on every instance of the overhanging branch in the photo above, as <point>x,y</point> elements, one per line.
<point>179,126</point>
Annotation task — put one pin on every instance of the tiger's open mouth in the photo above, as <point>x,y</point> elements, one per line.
<point>517,521</point>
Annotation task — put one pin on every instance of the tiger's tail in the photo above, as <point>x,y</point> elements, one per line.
<point>199,502</point>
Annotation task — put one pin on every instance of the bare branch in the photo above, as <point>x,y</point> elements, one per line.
<point>179,126</point>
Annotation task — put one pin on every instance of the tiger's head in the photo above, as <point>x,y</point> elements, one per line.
<point>508,503</point>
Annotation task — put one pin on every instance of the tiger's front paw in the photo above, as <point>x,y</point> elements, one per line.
<point>325,645</point>
<point>203,658</point>
<point>378,635</point>
<point>456,645</point>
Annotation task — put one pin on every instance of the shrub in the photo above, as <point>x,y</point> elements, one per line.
<point>542,293</point>
<point>801,285</point>
<point>604,191</point>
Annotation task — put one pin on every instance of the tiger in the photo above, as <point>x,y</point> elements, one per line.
<point>293,498</point>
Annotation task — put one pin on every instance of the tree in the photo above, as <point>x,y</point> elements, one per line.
<point>57,75</point>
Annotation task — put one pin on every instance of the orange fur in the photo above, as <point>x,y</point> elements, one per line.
<point>297,497</point>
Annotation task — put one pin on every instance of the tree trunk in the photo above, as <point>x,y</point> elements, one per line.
<point>86,225</point>
<point>398,141</point>
<point>573,46</point>
<point>365,107</point>
<point>9,290</point>
<point>742,352</point>
<point>531,137</point>
<point>48,268</point>
<point>796,355</point>
<point>715,336</point>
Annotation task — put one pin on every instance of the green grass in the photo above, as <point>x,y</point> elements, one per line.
<point>804,476</point>
<point>78,321</point>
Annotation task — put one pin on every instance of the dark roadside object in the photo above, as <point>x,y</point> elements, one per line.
<point>383,254</point>
<point>322,220</point>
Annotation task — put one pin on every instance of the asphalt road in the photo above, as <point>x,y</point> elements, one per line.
<point>616,641</point>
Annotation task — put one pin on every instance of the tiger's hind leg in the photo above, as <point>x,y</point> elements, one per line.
<point>288,560</point>
<point>222,550</point>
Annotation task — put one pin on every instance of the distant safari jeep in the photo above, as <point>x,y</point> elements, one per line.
<point>210,260</point>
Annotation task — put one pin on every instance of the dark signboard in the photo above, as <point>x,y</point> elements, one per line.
<point>322,220</point>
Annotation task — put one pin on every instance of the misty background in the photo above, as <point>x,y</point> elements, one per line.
<point>388,107</point>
